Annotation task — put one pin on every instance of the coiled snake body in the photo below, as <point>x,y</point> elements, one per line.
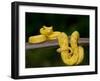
<point>71,53</point>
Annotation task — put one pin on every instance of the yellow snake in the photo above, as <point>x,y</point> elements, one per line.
<point>71,54</point>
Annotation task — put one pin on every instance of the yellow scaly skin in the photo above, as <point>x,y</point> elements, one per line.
<point>53,35</point>
<point>46,30</point>
<point>37,39</point>
<point>81,55</point>
<point>68,58</point>
<point>74,44</point>
<point>76,54</point>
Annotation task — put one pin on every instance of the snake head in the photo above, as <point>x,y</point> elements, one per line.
<point>46,30</point>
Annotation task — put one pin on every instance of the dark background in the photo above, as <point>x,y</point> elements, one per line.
<point>48,57</point>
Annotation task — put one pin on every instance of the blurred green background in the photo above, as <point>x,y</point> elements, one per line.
<point>47,56</point>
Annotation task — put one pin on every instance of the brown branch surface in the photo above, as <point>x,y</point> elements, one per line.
<point>82,41</point>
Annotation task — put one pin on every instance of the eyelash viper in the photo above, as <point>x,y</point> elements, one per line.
<point>71,53</point>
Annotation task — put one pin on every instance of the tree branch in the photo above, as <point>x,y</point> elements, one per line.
<point>82,41</point>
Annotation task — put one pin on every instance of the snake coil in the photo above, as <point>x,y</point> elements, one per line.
<point>71,54</point>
